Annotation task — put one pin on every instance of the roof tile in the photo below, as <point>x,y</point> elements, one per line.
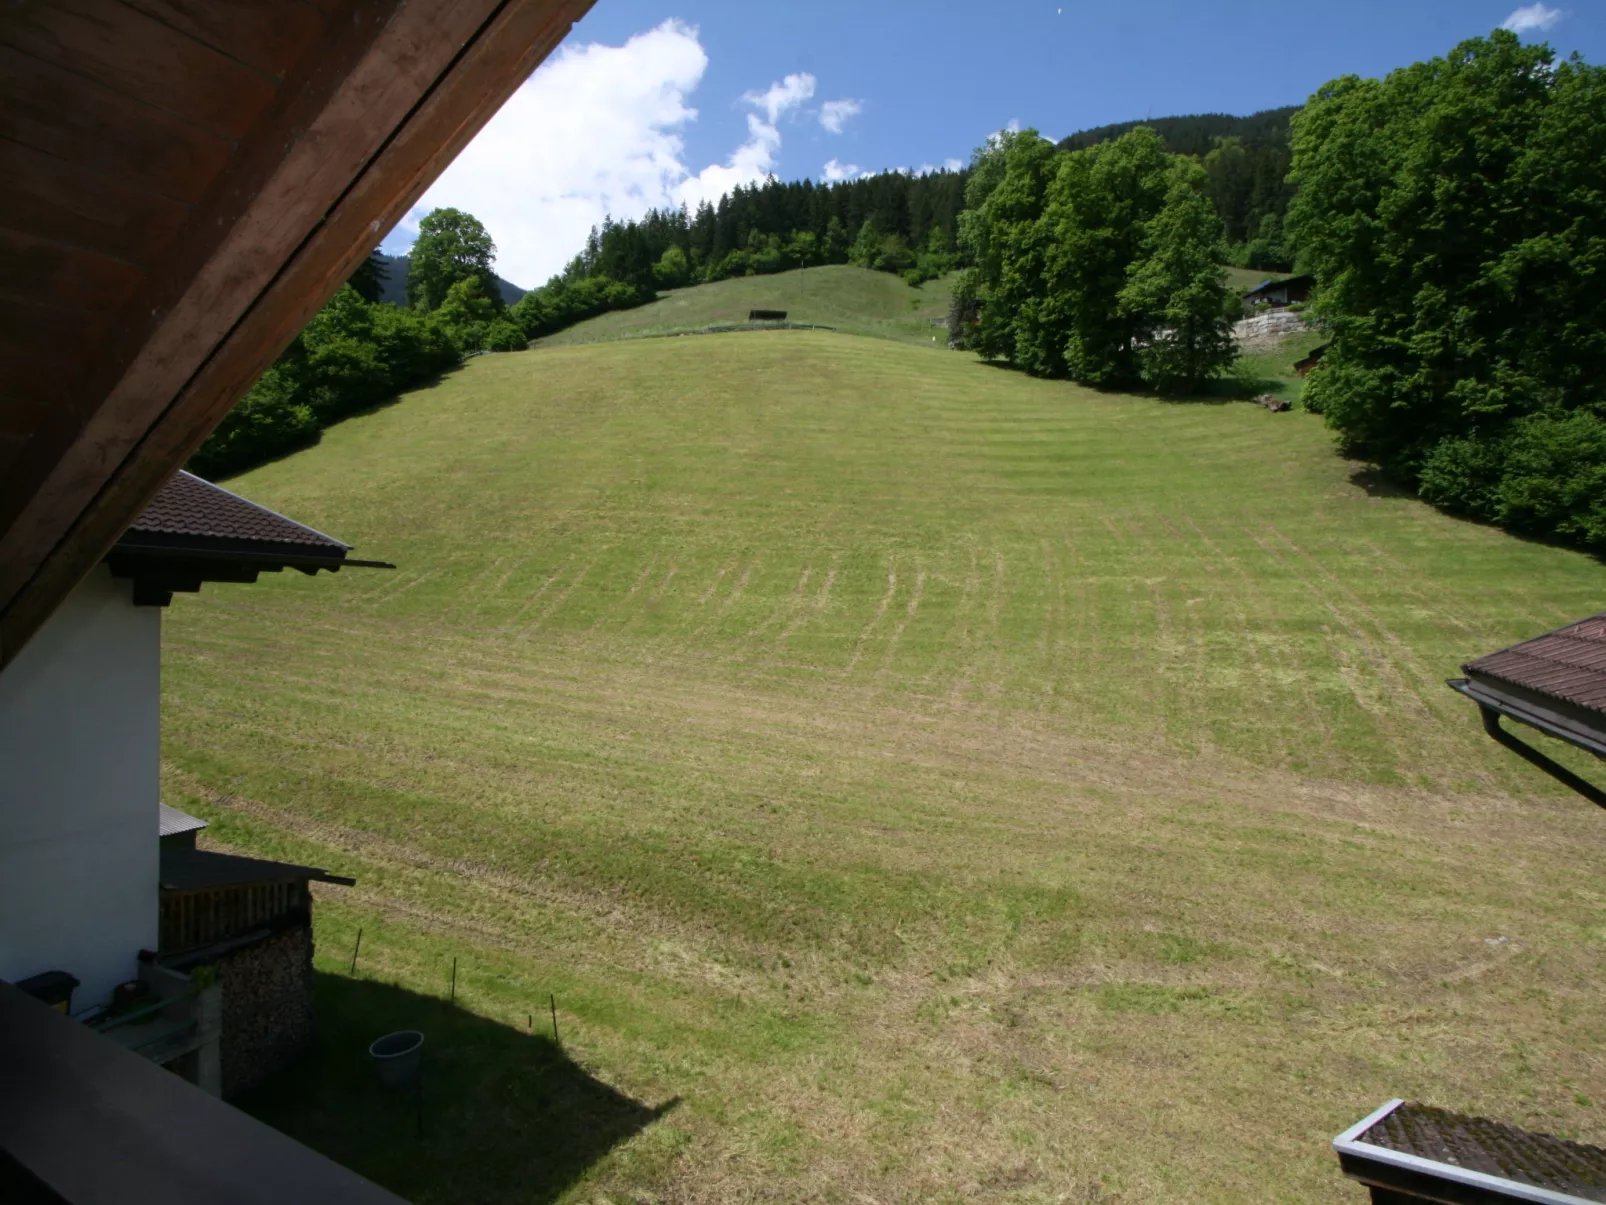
<point>189,506</point>
<point>1567,664</point>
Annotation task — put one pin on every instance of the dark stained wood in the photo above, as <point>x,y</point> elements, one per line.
<point>266,35</point>
<point>58,113</point>
<point>141,58</point>
<point>63,277</point>
<point>51,332</point>
<point>42,380</point>
<point>395,93</point>
<point>50,198</point>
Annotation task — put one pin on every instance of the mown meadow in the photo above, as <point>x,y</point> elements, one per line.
<point>912,780</point>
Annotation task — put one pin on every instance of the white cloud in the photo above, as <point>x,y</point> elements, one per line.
<point>953,165</point>
<point>836,171</point>
<point>1532,17</point>
<point>755,158</point>
<point>781,97</point>
<point>835,113</point>
<point>597,131</point>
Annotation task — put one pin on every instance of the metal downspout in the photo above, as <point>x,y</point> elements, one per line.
<point>1491,725</point>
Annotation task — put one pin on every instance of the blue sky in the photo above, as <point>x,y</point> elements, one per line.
<point>650,102</point>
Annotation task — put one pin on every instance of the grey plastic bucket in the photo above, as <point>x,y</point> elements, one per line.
<point>398,1057</point>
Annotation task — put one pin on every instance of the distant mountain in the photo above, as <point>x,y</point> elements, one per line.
<point>395,287</point>
<point>1196,133</point>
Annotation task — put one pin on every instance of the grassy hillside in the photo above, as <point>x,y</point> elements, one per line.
<point>914,781</point>
<point>853,300</point>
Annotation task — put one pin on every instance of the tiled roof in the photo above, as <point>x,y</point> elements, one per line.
<point>1568,664</point>
<point>1476,1144</point>
<point>189,506</point>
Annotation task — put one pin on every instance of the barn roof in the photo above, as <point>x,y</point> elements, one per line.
<point>186,183</point>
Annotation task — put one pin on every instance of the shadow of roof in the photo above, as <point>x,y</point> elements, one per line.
<point>507,1114</point>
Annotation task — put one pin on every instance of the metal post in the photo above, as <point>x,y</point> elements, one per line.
<point>354,950</point>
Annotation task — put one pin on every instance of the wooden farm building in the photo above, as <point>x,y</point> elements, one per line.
<point>1278,293</point>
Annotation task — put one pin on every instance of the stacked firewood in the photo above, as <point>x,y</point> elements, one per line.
<point>267,1007</point>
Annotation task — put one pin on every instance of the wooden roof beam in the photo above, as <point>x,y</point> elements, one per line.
<point>359,130</point>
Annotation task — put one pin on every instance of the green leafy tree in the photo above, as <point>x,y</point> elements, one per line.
<point>1178,292</point>
<point>1452,213</point>
<point>451,246</point>
<point>1095,233</point>
<point>837,243</point>
<point>866,249</point>
<point>504,335</point>
<point>673,269</point>
<point>466,313</point>
<point>803,249</point>
<point>1004,201</point>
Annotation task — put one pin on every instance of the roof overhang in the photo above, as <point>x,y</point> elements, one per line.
<point>1501,701</point>
<point>1416,1178</point>
<point>227,169</point>
<point>207,870</point>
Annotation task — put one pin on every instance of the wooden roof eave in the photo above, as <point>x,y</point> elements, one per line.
<point>357,133</point>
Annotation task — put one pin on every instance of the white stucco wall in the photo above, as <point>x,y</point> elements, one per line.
<point>79,762</point>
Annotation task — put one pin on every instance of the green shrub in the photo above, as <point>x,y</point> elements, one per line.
<point>502,335</point>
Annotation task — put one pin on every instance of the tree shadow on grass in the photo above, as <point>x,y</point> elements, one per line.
<point>507,1116</point>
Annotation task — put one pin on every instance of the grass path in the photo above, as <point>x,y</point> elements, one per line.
<point>949,785</point>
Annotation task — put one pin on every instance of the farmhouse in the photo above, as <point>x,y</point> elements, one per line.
<point>186,186</point>
<point>89,855</point>
<point>1282,292</point>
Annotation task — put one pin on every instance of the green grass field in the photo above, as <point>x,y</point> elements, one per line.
<point>914,781</point>
<point>852,300</point>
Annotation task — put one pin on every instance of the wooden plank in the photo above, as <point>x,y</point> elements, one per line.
<point>52,332</point>
<point>162,408</point>
<point>266,35</point>
<point>141,58</point>
<point>63,277</point>
<point>49,198</point>
<point>53,111</point>
<point>41,378</point>
<point>19,415</point>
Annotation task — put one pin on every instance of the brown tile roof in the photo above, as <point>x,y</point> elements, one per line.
<point>1568,664</point>
<point>191,508</point>
<point>1476,1144</point>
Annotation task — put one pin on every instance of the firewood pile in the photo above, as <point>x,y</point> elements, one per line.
<point>267,1007</point>
<point>1275,404</point>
